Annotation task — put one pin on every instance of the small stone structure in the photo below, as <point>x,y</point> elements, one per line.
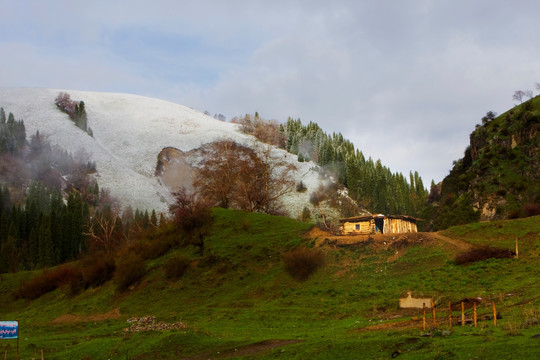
<point>415,303</point>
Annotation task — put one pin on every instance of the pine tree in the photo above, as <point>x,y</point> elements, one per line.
<point>45,242</point>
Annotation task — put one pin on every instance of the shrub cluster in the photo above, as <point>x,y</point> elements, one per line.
<point>303,262</point>
<point>482,253</point>
<point>128,272</point>
<point>176,267</point>
<point>97,270</point>
<point>48,281</point>
<point>531,209</point>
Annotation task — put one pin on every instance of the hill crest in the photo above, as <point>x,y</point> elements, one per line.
<point>129,132</point>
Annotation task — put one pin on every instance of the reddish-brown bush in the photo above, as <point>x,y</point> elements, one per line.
<point>176,267</point>
<point>482,253</point>
<point>97,270</point>
<point>148,249</point>
<point>531,209</point>
<point>128,272</point>
<point>192,215</point>
<point>303,262</point>
<point>47,281</point>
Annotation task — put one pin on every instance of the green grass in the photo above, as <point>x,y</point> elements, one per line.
<point>239,294</point>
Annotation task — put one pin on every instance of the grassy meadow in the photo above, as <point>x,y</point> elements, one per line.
<point>238,301</point>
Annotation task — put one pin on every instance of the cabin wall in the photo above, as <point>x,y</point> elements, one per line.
<point>398,226</point>
<point>365,227</point>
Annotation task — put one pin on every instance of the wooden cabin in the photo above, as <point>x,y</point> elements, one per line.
<point>378,224</point>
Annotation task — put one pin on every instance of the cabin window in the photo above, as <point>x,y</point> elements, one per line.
<point>357,226</point>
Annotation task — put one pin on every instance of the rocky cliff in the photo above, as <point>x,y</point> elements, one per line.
<point>499,174</point>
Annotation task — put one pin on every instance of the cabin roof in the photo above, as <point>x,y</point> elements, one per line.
<point>378,216</point>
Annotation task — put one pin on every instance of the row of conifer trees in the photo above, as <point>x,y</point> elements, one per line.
<point>373,185</point>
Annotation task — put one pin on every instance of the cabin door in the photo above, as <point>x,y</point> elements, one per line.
<point>379,225</point>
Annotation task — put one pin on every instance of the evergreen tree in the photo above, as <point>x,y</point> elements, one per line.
<point>45,242</point>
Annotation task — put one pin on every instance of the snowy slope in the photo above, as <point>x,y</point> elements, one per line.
<point>129,132</point>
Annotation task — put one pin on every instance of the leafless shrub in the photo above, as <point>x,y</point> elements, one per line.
<point>303,262</point>
<point>531,209</point>
<point>249,179</point>
<point>128,272</point>
<point>97,269</point>
<point>176,267</point>
<point>482,253</point>
<point>47,281</point>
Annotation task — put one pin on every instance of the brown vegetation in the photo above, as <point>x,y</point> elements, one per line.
<point>128,272</point>
<point>266,131</point>
<point>303,262</point>
<point>47,281</point>
<point>176,267</point>
<point>237,176</point>
<point>192,215</point>
<point>482,253</point>
<point>97,269</point>
<point>104,231</point>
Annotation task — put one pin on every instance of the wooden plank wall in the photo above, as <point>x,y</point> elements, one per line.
<point>366,227</point>
<point>396,226</point>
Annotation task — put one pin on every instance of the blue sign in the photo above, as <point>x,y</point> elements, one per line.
<point>9,329</point>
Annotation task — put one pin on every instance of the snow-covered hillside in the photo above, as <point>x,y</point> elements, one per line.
<point>129,133</point>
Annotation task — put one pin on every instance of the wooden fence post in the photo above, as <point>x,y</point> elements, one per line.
<point>517,249</point>
<point>433,314</point>
<point>424,317</point>
<point>462,314</point>
<point>494,314</point>
<point>474,309</point>
<point>450,315</point>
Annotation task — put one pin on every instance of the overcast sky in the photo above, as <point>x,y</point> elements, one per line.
<point>406,81</point>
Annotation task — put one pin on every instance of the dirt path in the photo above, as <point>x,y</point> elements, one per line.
<point>70,318</point>
<point>252,349</point>
<point>406,324</point>
<point>461,245</point>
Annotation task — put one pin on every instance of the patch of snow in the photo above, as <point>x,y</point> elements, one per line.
<point>129,131</point>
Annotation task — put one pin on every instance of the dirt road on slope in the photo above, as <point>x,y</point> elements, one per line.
<point>460,244</point>
<point>252,349</point>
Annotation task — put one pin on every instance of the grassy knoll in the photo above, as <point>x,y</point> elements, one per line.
<point>237,296</point>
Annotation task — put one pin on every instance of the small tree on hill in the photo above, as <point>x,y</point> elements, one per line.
<point>192,216</point>
<point>518,95</point>
<point>490,115</point>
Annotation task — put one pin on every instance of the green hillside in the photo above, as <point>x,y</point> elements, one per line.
<point>499,174</point>
<point>238,301</point>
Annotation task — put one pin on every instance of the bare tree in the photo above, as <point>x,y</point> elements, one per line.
<point>537,86</point>
<point>316,199</point>
<point>104,231</point>
<point>272,179</point>
<point>217,178</point>
<point>529,94</point>
<point>192,216</point>
<point>518,95</point>
<point>237,176</point>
